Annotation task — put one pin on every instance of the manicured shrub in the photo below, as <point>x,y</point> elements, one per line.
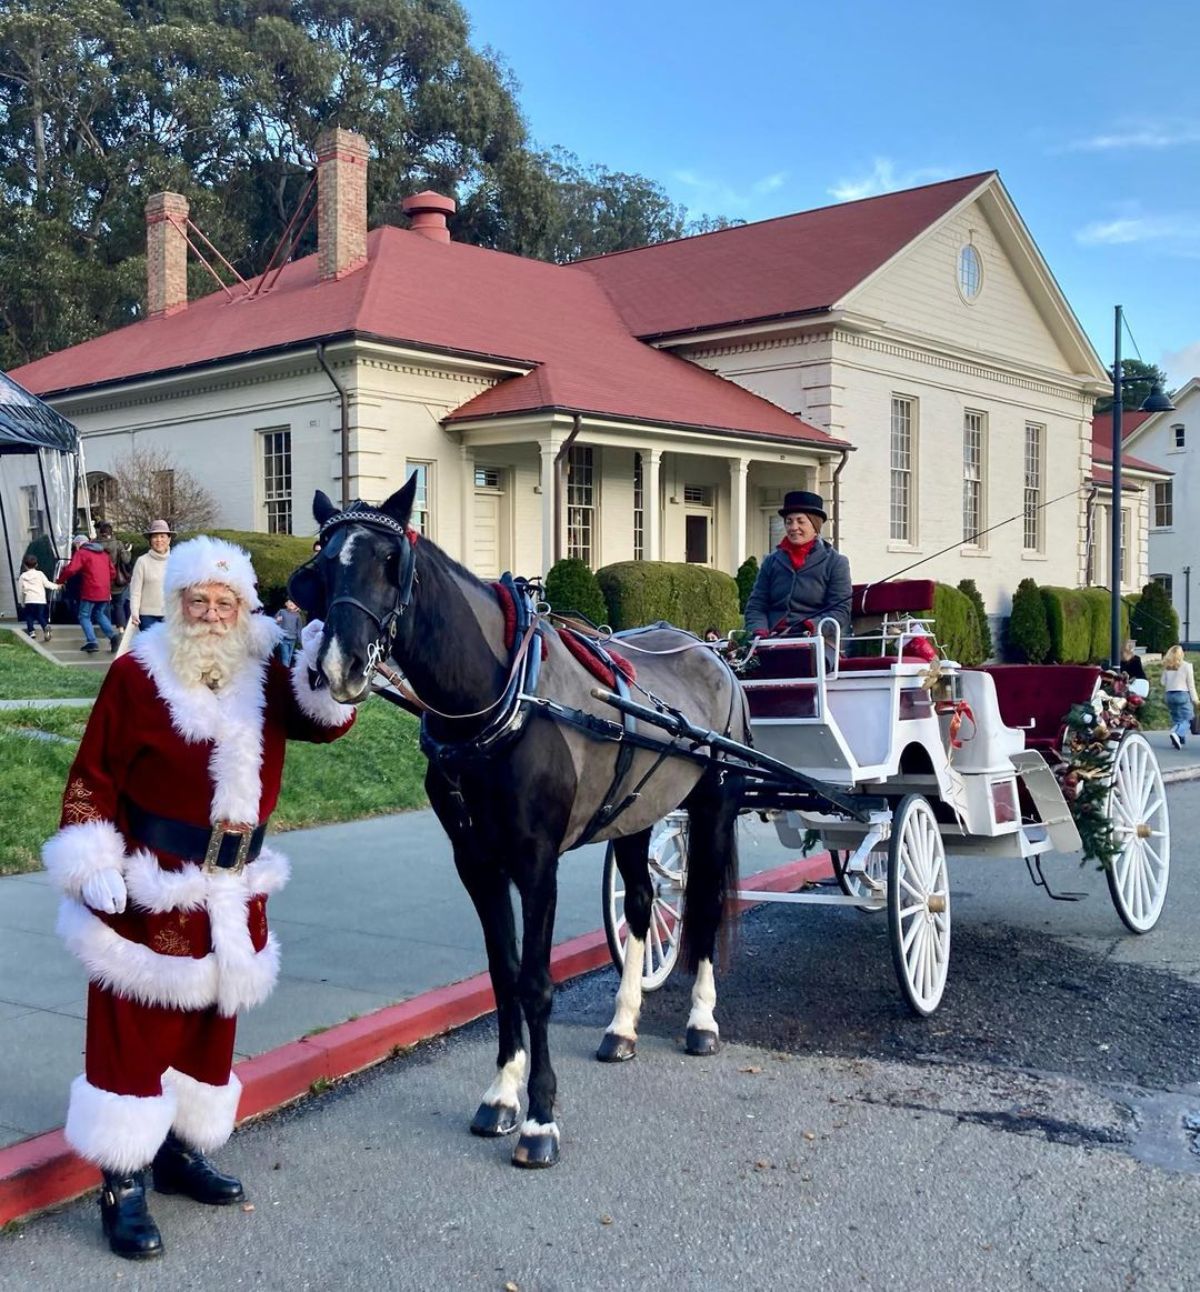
<point>1028,632</point>
<point>956,626</point>
<point>274,557</point>
<point>688,596</point>
<point>1069,620</point>
<point>746,575</point>
<point>571,586</point>
<point>971,592</point>
<point>1155,623</point>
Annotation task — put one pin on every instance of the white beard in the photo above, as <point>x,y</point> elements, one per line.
<point>207,654</point>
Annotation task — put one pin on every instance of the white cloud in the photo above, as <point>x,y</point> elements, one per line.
<point>1157,135</point>
<point>884,178</point>
<point>1182,365</point>
<point>717,197</point>
<point>1177,233</point>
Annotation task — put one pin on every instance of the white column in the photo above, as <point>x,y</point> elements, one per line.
<point>548,449</point>
<point>652,502</point>
<point>739,470</point>
<point>467,466</point>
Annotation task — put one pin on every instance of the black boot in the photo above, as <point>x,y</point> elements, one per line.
<point>180,1169</point>
<point>128,1225</point>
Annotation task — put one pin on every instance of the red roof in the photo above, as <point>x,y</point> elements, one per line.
<point>443,297</point>
<point>796,264</point>
<point>1102,434</point>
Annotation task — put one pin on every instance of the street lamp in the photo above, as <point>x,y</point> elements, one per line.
<point>1156,402</point>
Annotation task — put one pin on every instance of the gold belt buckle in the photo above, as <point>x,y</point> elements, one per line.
<point>217,837</point>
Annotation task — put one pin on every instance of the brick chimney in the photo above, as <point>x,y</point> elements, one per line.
<point>341,202</point>
<point>166,254</point>
<point>428,213</point>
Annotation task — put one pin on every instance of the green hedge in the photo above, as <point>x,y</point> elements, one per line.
<point>274,557</point>
<point>689,596</point>
<point>1155,622</point>
<point>571,587</point>
<point>1069,620</point>
<point>955,625</point>
<point>746,577</point>
<point>970,590</point>
<point>1028,631</point>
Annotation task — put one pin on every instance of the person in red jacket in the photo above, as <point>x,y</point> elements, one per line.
<point>96,570</point>
<point>165,874</point>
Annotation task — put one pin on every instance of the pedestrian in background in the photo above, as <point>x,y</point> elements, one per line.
<point>32,587</point>
<point>1131,662</point>
<point>290,622</point>
<point>1179,686</point>
<point>146,582</point>
<point>120,554</point>
<point>92,562</point>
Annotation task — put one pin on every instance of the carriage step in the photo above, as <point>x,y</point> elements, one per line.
<point>1033,864</point>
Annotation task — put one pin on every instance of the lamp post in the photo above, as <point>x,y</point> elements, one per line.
<point>1156,402</point>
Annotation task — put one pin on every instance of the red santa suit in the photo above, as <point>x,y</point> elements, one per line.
<point>168,975</point>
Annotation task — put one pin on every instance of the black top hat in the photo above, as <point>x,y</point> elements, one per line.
<point>802,500</point>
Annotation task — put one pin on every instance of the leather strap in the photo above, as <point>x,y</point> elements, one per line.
<point>190,842</point>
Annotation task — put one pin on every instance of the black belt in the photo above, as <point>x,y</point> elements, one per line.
<point>221,847</point>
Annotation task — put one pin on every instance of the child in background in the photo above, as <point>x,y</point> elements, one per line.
<point>32,587</point>
<point>290,621</point>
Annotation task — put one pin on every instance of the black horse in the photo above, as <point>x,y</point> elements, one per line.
<point>524,766</point>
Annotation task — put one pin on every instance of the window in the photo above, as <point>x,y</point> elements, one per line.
<point>903,418</point>
<point>277,480</point>
<point>970,272</point>
<point>1179,436</point>
<point>973,492</point>
<point>639,509</point>
<point>1034,436</point>
<point>35,515</point>
<point>698,495</point>
<point>102,495</point>
<point>487,477</point>
<point>1164,504</point>
<point>422,510</point>
<point>581,504</point>
<point>1164,581</point>
<point>163,486</point>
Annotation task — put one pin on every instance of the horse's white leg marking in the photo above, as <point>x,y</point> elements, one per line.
<point>530,1127</point>
<point>629,994</point>
<point>704,998</point>
<point>505,1091</point>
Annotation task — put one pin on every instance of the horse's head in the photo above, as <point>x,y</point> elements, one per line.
<point>359,582</point>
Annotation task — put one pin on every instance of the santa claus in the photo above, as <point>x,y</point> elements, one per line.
<point>161,859</point>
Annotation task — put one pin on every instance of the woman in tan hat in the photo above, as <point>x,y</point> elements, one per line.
<point>146,585</point>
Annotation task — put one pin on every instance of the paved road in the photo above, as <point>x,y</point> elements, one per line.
<point>1031,1135</point>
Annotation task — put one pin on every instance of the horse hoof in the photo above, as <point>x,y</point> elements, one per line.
<point>617,1049</point>
<point>493,1120</point>
<point>535,1150</point>
<point>701,1042</point>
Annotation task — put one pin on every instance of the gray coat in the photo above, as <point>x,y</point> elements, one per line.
<point>820,587</point>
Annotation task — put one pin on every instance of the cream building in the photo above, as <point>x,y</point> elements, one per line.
<point>909,356</point>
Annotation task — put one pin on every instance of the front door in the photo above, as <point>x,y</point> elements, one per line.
<point>698,538</point>
<point>489,550</point>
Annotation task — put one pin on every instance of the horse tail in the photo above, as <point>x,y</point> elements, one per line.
<point>712,869</point>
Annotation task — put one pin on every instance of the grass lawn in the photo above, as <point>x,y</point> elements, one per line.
<point>377,768</point>
<point>25,675</point>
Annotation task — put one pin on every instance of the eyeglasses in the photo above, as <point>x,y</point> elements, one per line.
<point>224,607</point>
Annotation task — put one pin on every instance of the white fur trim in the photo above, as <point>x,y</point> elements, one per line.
<point>154,889</point>
<point>211,560</point>
<point>232,976</point>
<point>320,706</point>
<point>77,852</point>
<point>119,1133</point>
<point>269,873</point>
<point>231,718</point>
<point>204,1114</point>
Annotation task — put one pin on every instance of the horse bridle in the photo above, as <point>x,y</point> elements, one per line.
<point>405,538</point>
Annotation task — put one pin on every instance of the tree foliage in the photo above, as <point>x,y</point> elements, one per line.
<point>104,102</point>
<point>1139,380</point>
<point>1155,622</point>
<point>1028,631</point>
<point>149,485</point>
<point>970,590</point>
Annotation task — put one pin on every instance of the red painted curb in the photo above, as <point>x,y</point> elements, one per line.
<point>43,1171</point>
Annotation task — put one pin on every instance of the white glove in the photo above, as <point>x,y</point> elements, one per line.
<point>310,639</point>
<point>105,891</point>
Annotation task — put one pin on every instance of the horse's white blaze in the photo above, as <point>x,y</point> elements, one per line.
<point>704,999</point>
<point>629,994</point>
<point>333,663</point>
<point>505,1091</point>
<point>530,1127</point>
<point>346,555</point>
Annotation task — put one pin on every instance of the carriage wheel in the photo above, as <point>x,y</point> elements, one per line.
<point>918,904</point>
<point>1137,807</point>
<point>854,885</point>
<point>668,875</point>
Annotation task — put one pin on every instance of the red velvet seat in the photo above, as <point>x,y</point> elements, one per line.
<point>1041,694</point>
<point>898,597</point>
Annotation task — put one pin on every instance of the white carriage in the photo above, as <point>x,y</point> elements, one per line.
<point>913,758</point>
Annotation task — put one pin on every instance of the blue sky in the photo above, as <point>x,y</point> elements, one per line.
<point>767,107</point>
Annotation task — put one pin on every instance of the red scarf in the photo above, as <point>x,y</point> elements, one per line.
<point>797,553</point>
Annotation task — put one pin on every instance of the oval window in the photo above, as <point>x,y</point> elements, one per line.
<point>970,272</point>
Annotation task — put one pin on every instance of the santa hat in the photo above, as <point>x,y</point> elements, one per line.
<point>211,560</point>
